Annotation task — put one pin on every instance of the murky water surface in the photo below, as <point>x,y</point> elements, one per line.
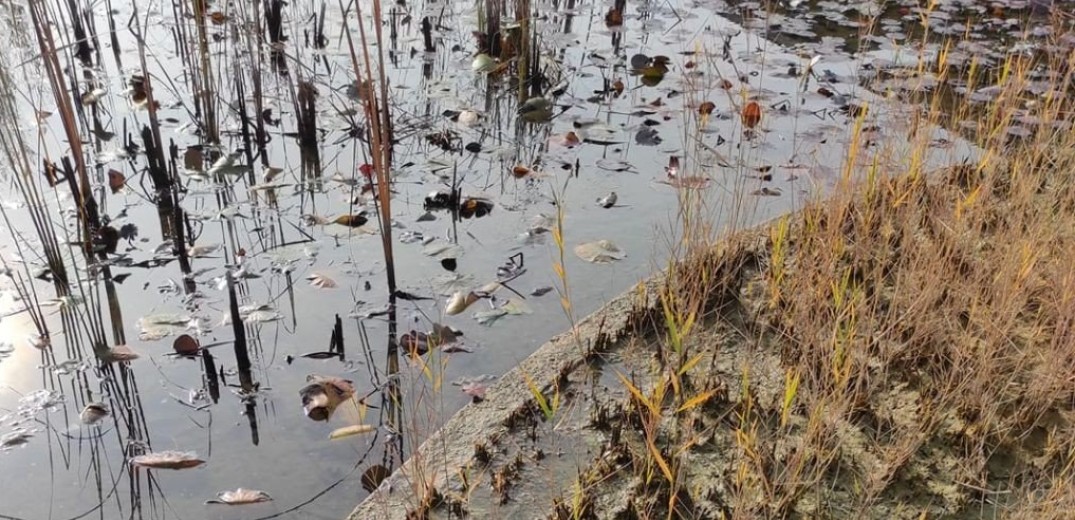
<point>270,215</point>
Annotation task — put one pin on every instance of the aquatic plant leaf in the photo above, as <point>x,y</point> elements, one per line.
<point>443,251</point>
<point>321,281</point>
<point>541,291</point>
<point>600,252</point>
<point>448,284</point>
<point>490,316</point>
<point>118,353</point>
<point>324,393</point>
<point>186,345</point>
<point>483,63</point>
<point>356,220</point>
<point>262,316</point>
<point>614,165</point>
<point>168,460</point>
<point>16,438</point>
<point>93,413</point>
<point>459,302</point>
<point>751,114</point>
<point>240,497</point>
<point>603,134</point>
<point>116,180</point>
<point>202,251</point>
<point>347,431</point>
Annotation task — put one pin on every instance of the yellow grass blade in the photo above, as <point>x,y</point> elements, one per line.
<point>696,401</point>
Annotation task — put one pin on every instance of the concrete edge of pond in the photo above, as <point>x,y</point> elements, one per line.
<point>452,447</point>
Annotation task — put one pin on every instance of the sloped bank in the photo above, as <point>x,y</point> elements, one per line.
<point>500,456</point>
<point>890,353</point>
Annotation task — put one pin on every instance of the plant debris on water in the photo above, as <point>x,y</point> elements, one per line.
<point>273,185</point>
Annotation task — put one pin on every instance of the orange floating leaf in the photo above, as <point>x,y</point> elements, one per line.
<point>751,114</point>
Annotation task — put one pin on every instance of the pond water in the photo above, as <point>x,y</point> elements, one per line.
<point>268,215</point>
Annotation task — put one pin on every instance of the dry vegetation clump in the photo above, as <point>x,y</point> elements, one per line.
<point>904,349</point>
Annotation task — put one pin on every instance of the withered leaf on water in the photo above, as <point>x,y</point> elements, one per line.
<point>320,355</point>
<point>541,291</point>
<point>347,431</point>
<point>356,220</point>
<point>168,460</point>
<point>459,301</point>
<point>751,114</point>
<point>614,165</point>
<point>765,191</point>
<point>93,413</point>
<point>321,281</point>
<point>116,180</point>
<point>186,345</point>
<point>240,497</point>
<point>324,393</point>
<point>475,207</point>
<point>600,252</point>
<point>118,353</point>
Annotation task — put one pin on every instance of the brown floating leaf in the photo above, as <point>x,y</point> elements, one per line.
<point>168,460</point>
<point>347,431</point>
<point>475,207</point>
<point>240,497</point>
<point>520,171</point>
<point>218,17</point>
<point>116,180</point>
<point>707,108</point>
<point>614,17</point>
<point>186,345</point>
<point>352,220</point>
<point>321,397</point>
<point>751,114</point>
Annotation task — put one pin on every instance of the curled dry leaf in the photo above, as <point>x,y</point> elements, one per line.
<point>352,220</point>
<point>600,252</point>
<point>186,345</point>
<point>321,397</point>
<point>321,281</point>
<point>168,460</point>
<point>347,431</point>
<point>118,353</point>
<point>93,413</point>
<point>751,114</point>
<point>116,180</point>
<point>240,496</point>
<point>459,302</point>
